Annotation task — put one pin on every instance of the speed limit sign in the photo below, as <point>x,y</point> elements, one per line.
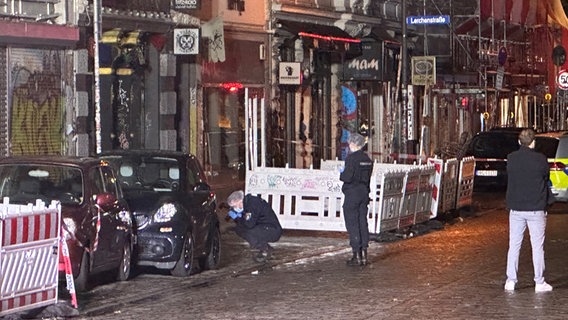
<point>563,79</point>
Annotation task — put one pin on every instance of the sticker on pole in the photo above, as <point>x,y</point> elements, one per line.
<point>563,80</point>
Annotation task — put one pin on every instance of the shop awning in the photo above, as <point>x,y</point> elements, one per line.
<point>296,28</point>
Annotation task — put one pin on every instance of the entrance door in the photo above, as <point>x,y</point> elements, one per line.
<point>224,136</point>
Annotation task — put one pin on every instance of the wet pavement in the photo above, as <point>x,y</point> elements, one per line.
<point>446,271</point>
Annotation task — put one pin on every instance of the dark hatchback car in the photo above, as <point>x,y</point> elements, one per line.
<point>88,193</point>
<point>174,209</point>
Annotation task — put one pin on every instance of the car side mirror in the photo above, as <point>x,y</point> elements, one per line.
<point>105,201</point>
<point>202,186</point>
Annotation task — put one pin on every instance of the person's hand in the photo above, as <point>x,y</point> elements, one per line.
<point>234,215</point>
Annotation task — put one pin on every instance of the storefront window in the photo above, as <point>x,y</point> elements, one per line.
<point>224,135</point>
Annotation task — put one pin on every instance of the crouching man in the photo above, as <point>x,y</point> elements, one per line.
<point>256,222</point>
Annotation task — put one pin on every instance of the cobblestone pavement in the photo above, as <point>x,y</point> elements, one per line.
<point>453,273</point>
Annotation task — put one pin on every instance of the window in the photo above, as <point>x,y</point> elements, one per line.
<point>238,5</point>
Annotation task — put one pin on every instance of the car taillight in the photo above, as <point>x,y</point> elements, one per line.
<point>557,166</point>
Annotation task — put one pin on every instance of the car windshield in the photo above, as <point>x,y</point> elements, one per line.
<point>146,172</point>
<point>494,145</point>
<point>24,183</point>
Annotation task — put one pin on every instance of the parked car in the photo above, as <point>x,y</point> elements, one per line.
<point>97,223</point>
<point>555,146</point>
<point>174,209</point>
<point>490,150</point>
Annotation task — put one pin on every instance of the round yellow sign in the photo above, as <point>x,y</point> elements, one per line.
<point>547,97</point>
<point>486,115</point>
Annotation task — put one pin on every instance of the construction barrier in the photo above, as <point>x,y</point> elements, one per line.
<point>465,182</point>
<point>28,255</point>
<point>445,194</point>
<point>400,195</point>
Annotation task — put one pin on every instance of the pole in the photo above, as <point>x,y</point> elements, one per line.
<point>404,77</point>
<point>97,89</point>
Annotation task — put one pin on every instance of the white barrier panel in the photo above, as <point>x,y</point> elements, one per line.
<point>308,199</point>
<point>465,182</point>
<point>444,192</point>
<point>304,199</point>
<point>388,190</point>
<point>29,236</point>
<point>425,190</point>
<point>450,185</point>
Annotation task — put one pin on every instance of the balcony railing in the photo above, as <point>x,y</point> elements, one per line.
<point>37,10</point>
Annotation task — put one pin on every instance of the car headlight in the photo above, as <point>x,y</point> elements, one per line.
<point>69,229</point>
<point>165,213</point>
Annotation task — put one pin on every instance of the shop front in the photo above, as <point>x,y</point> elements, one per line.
<point>226,86</point>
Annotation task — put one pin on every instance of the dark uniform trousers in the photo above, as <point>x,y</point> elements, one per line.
<point>259,236</point>
<point>355,209</point>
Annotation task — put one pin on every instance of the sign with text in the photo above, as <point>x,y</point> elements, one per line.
<point>187,4</point>
<point>423,70</point>
<point>367,66</point>
<point>413,20</point>
<point>563,79</point>
<point>290,73</point>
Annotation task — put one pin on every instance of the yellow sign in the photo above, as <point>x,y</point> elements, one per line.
<point>423,70</point>
<point>486,115</point>
<point>547,97</point>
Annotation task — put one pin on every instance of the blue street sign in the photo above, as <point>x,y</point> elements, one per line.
<point>428,20</point>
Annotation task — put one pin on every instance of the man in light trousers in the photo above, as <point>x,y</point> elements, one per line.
<point>527,197</point>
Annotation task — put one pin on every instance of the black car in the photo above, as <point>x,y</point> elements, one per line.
<point>173,206</point>
<point>490,150</point>
<point>97,223</point>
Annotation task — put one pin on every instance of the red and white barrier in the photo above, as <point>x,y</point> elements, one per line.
<point>29,255</point>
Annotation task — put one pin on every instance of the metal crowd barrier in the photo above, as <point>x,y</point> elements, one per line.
<point>29,236</point>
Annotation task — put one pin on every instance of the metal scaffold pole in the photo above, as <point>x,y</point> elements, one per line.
<point>97,88</point>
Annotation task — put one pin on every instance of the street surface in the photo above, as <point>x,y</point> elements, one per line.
<point>456,272</point>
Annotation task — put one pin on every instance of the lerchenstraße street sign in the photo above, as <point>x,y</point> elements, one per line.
<point>428,19</point>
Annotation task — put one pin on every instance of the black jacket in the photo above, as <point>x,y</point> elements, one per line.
<point>357,172</point>
<point>528,174</point>
<point>258,212</point>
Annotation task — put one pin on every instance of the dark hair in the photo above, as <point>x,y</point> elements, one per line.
<point>526,137</point>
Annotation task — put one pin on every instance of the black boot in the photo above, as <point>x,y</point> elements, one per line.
<point>355,260</point>
<point>364,260</point>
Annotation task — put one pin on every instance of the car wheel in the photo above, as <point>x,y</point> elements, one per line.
<point>125,263</point>
<point>82,280</point>
<point>213,257</point>
<point>185,262</point>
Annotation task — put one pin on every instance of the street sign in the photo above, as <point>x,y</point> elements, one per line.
<point>499,78</point>
<point>563,79</point>
<point>427,20</point>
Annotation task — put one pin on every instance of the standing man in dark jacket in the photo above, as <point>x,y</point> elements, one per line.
<point>527,192</point>
<point>356,178</point>
<point>256,222</point>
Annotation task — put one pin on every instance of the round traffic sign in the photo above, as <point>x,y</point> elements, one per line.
<point>547,97</point>
<point>563,79</point>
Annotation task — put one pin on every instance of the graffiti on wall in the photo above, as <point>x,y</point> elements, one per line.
<point>122,102</point>
<point>348,118</point>
<point>36,109</point>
